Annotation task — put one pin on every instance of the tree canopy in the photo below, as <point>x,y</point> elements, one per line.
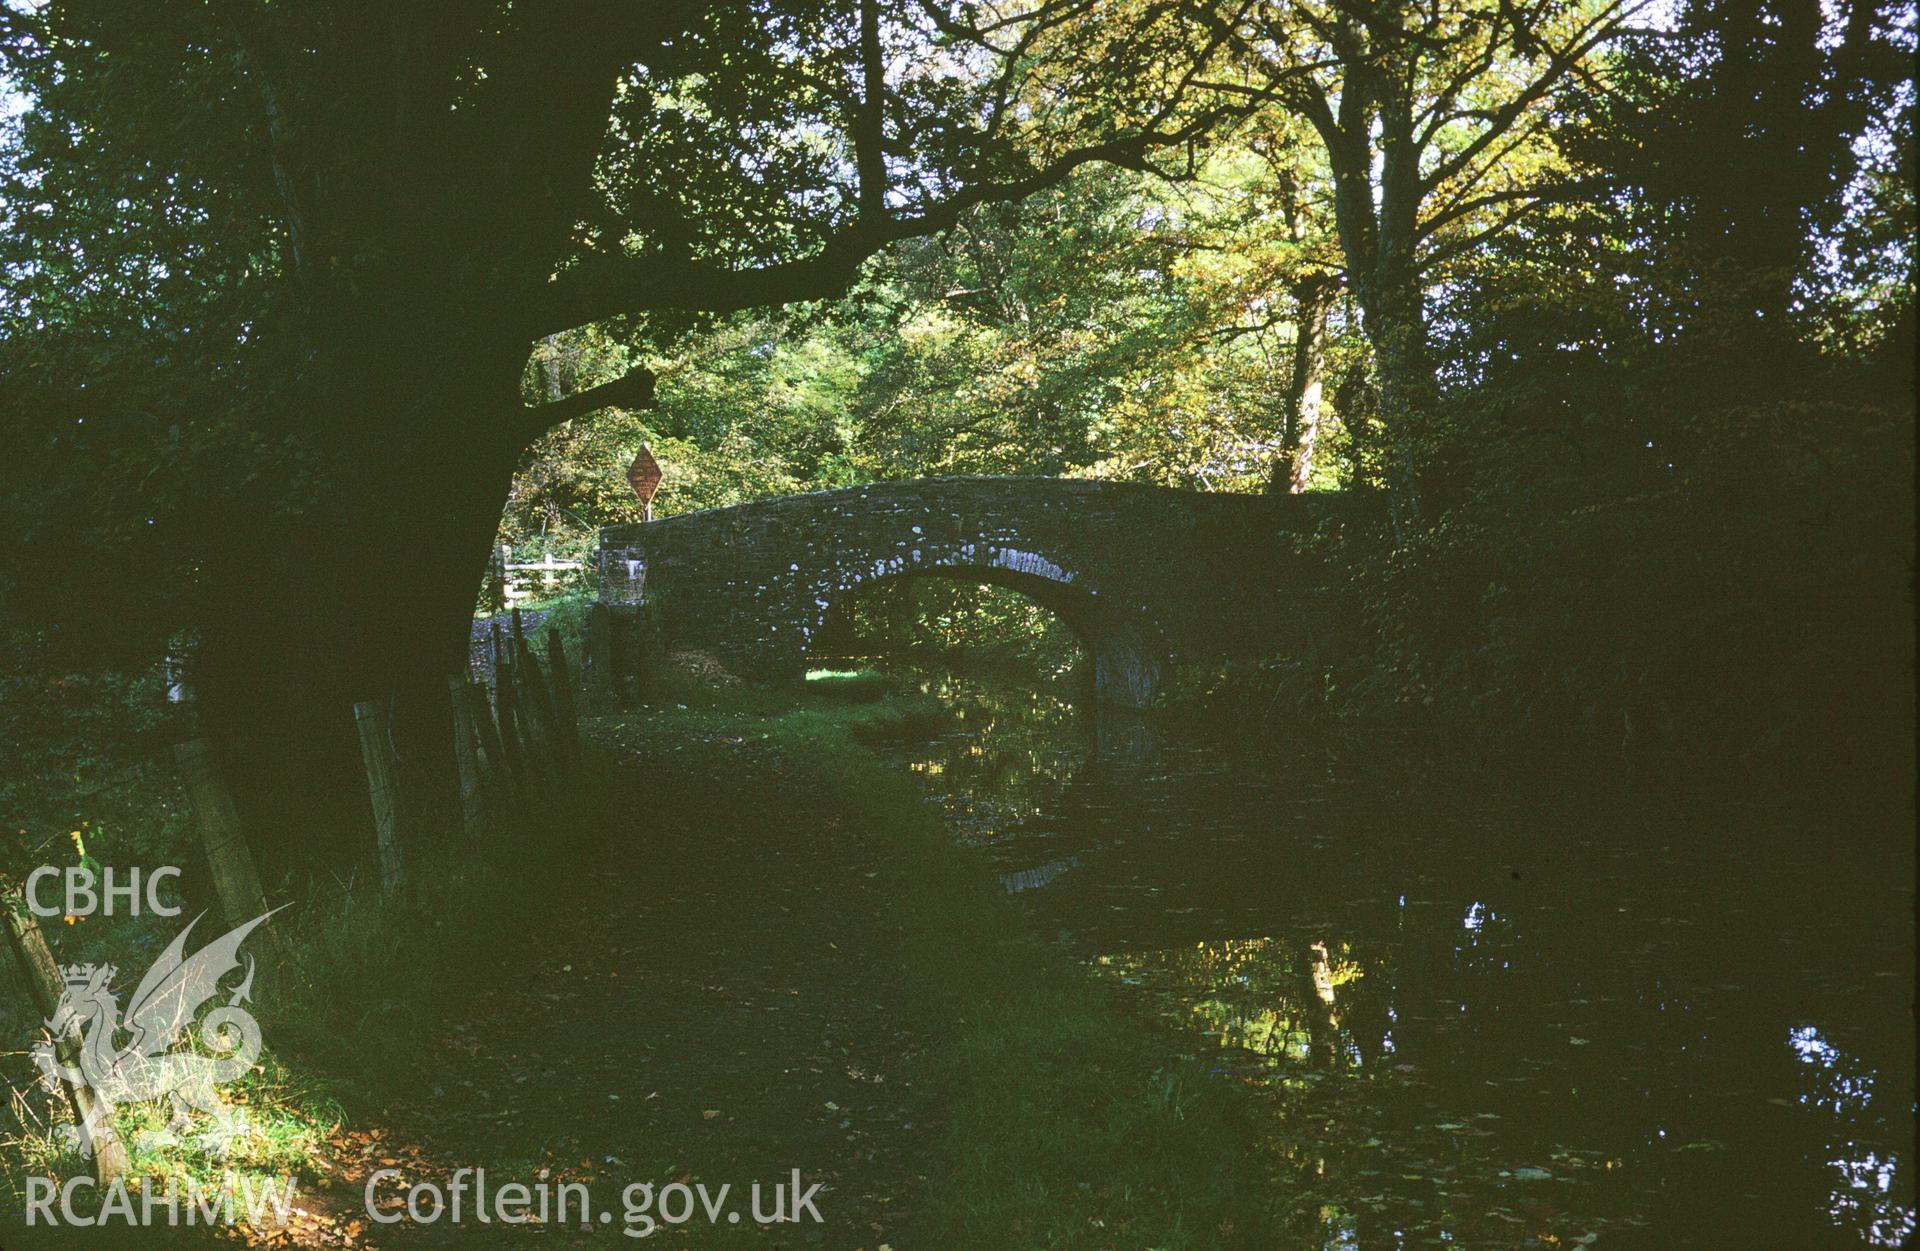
<point>299,298</point>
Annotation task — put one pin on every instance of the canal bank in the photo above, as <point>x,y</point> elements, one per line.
<point>991,974</point>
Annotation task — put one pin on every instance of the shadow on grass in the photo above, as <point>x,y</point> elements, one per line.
<point>1062,1121</point>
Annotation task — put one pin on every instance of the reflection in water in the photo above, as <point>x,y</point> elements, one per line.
<point>1123,736</point>
<point>1479,1024</point>
<point>1034,879</point>
<point>1864,1187</point>
<point>1278,1003</point>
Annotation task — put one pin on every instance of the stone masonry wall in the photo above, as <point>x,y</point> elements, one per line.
<point>1145,575</point>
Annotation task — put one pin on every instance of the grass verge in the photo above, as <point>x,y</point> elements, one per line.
<point>1047,1115</point>
<point>360,978</point>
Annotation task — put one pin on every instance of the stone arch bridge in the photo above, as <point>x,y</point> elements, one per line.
<point>1146,577</point>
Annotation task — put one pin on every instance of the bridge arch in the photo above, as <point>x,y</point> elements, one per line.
<point>1126,647</point>
<point>1149,578</point>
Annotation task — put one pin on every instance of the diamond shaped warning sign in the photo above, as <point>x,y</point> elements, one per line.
<point>643,475</point>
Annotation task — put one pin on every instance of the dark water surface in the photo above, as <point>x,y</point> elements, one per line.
<point>1479,1021</point>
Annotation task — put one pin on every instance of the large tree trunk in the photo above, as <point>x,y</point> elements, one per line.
<point>1403,370</point>
<point>363,592</point>
<point>1377,218</point>
<point>410,307</point>
<point>1395,309</point>
<point>1300,407</point>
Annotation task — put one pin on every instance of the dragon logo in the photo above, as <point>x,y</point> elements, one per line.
<point>148,1053</point>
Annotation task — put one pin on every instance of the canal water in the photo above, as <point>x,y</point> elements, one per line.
<point>1474,1020</point>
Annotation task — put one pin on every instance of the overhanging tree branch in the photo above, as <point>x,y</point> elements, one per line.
<point>592,291</point>
<point>1561,63</point>
<point>633,389</point>
<point>20,25</point>
<point>1532,197</point>
<point>1466,243</point>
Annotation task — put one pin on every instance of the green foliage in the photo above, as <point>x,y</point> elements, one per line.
<point>1732,615</point>
<point>84,761</point>
<point>1079,333</point>
<point>931,619</point>
<point>341,1017</point>
<point>1614,288</point>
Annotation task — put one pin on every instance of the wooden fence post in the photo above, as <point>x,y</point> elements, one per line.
<point>506,703</point>
<point>376,751</point>
<point>91,1114</point>
<point>466,757</point>
<point>597,667</point>
<point>566,706</point>
<point>496,582</point>
<point>229,858</point>
<point>539,703</point>
<point>499,780</point>
<point>633,645</point>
